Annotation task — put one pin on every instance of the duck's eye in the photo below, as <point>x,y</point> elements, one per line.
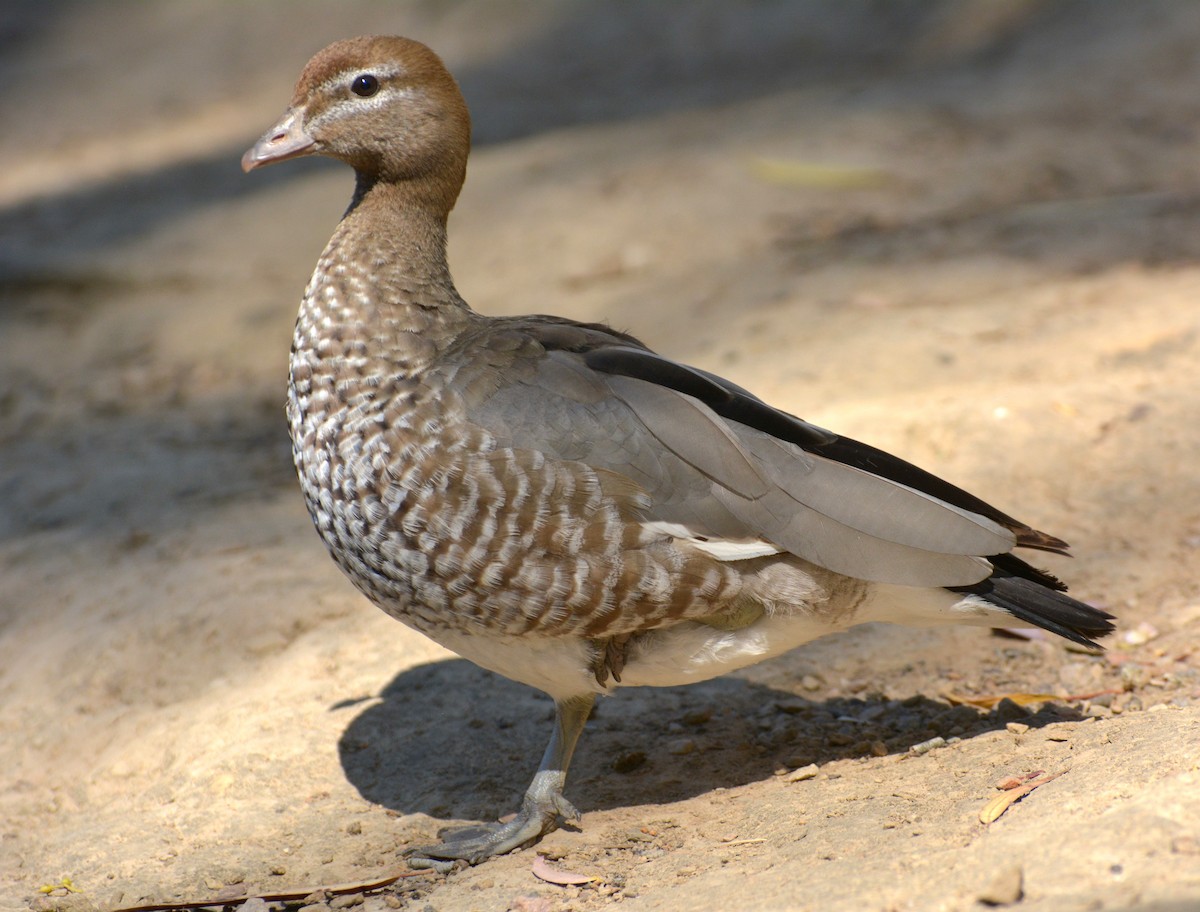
<point>365,85</point>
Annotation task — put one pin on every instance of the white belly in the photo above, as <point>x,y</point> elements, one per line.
<point>681,654</point>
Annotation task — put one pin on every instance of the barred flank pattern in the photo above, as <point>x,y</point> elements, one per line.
<point>434,520</point>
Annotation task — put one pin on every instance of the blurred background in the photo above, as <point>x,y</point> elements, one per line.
<point>965,231</point>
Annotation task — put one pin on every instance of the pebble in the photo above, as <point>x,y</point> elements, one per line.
<point>926,746</point>
<point>253,904</point>
<point>530,904</point>
<point>1017,728</point>
<point>1134,676</point>
<point>681,746</point>
<point>628,761</point>
<point>72,902</point>
<point>346,901</point>
<point>1010,711</point>
<point>1185,845</point>
<point>1007,888</point>
<point>805,772</point>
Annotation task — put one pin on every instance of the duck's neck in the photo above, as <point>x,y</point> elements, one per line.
<point>382,291</point>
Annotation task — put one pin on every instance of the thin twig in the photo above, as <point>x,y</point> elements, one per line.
<point>338,890</point>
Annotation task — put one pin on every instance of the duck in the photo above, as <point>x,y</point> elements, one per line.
<point>560,504</point>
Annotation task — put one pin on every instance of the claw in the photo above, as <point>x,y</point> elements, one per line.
<point>440,865</point>
<point>565,809</point>
<point>542,806</point>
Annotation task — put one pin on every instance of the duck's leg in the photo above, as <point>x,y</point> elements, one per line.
<point>540,809</point>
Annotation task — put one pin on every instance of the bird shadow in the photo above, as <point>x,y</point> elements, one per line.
<point>454,741</point>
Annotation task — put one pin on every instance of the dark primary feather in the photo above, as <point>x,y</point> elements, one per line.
<point>1027,598</point>
<point>615,353</point>
<point>724,398</point>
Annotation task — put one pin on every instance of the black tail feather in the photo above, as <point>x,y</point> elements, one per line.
<point>1038,598</point>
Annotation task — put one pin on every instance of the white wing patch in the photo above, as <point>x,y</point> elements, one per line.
<point>723,549</point>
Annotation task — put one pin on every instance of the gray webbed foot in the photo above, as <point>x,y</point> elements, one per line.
<point>540,810</point>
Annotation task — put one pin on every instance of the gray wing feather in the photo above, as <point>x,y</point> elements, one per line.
<point>876,506</point>
<point>694,433</point>
<point>725,480</point>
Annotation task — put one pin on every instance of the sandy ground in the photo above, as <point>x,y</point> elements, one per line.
<point>969,233</point>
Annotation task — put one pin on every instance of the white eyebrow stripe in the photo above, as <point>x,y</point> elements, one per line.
<point>384,96</point>
<point>343,79</point>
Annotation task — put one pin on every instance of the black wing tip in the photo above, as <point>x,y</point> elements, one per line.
<point>1084,631</point>
<point>1035,597</point>
<point>1028,537</point>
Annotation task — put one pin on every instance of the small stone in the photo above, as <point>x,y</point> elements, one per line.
<point>1140,635</point>
<point>879,749</point>
<point>926,746</point>
<point>681,746</point>
<point>1009,711</point>
<point>1185,845</point>
<point>253,904</point>
<point>347,901</point>
<point>1017,728</point>
<point>278,870</point>
<point>557,845</point>
<point>805,772</point>
<point>1134,676</point>
<point>810,682</point>
<point>790,707</point>
<point>628,762</point>
<point>1007,888</point>
<point>72,902</point>
<point>354,828</point>
<point>530,904</point>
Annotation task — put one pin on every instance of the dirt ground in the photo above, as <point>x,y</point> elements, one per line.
<point>967,232</point>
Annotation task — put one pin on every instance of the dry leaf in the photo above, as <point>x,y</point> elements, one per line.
<point>1002,802</point>
<point>990,702</point>
<point>543,871</point>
